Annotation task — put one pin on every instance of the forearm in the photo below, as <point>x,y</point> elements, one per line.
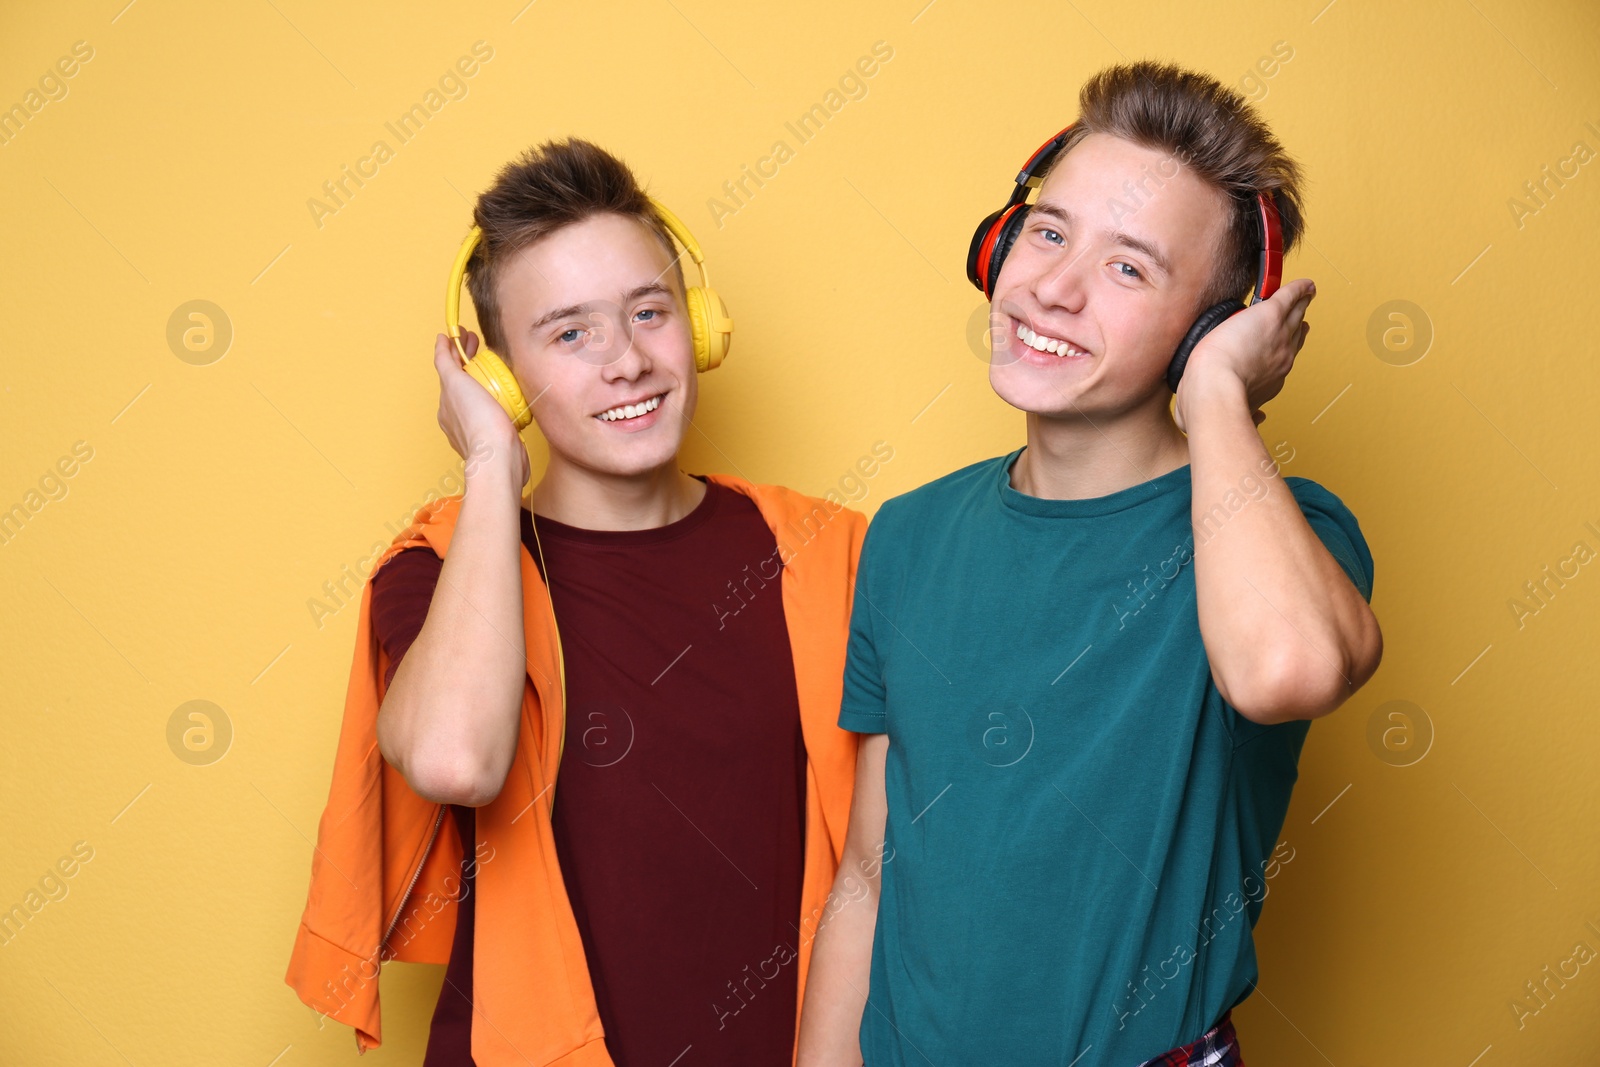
<point>841,963</point>
<point>449,719</point>
<point>841,958</point>
<point>1283,626</point>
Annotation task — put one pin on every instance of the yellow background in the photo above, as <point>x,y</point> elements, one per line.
<point>219,498</point>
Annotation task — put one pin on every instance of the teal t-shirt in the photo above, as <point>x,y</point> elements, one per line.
<point>1080,830</point>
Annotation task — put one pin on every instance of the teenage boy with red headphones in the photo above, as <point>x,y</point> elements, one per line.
<point>1084,671</point>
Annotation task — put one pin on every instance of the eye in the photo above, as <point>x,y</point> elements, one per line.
<point>1131,267</point>
<point>654,312</point>
<point>567,337</point>
<point>1053,236</point>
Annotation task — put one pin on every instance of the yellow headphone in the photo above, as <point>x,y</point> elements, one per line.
<point>709,324</point>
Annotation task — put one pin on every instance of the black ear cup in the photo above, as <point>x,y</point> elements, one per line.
<point>1002,245</point>
<point>975,249</point>
<point>989,246</point>
<point>1208,321</point>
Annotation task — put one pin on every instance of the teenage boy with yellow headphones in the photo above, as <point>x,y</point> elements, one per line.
<point>663,910</point>
<point>1084,671</point>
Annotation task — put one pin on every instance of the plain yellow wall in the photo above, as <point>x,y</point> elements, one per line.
<point>1443,859</point>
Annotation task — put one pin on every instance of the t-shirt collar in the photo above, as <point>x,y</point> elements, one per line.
<point>1173,481</point>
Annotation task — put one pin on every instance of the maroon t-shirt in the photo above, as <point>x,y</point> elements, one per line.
<point>680,803</point>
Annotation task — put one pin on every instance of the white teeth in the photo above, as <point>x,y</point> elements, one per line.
<point>630,411</point>
<point>1045,344</point>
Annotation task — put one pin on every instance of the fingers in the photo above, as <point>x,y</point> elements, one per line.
<point>1297,291</point>
<point>444,357</point>
<point>444,350</point>
<point>1305,290</point>
<point>1293,297</point>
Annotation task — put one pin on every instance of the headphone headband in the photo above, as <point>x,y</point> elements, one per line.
<point>1028,176</point>
<point>458,270</point>
<point>685,238</point>
<point>452,293</point>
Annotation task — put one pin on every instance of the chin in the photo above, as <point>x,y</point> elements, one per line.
<point>639,454</point>
<point>1024,390</point>
<point>632,466</point>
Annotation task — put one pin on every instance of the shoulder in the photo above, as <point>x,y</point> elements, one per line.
<point>1315,493</point>
<point>911,529</point>
<point>436,514</point>
<point>1317,500</point>
<point>431,526</point>
<point>943,497</point>
<point>402,590</point>
<point>1338,528</point>
<point>411,562</point>
<point>794,515</point>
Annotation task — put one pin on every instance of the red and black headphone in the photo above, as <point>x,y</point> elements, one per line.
<point>998,232</point>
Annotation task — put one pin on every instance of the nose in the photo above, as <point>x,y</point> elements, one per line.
<point>1063,282</point>
<point>624,359</point>
<point>611,346</point>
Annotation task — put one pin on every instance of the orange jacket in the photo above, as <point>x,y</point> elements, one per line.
<point>385,870</point>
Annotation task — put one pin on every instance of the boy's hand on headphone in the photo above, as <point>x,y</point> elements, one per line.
<point>1257,347</point>
<point>475,424</point>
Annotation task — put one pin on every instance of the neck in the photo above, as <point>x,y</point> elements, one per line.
<point>594,500</point>
<point>1072,458</point>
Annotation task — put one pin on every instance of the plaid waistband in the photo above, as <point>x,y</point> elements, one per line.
<point>1217,1047</point>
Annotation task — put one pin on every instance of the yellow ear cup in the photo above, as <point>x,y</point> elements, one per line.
<point>486,368</point>
<point>709,323</point>
<point>710,327</point>
<point>713,329</point>
<point>491,372</point>
<point>699,328</point>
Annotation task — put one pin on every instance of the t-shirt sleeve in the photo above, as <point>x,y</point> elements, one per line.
<point>1338,530</point>
<point>863,709</point>
<point>401,592</point>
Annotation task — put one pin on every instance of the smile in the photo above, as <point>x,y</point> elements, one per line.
<point>1041,343</point>
<point>631,411</point>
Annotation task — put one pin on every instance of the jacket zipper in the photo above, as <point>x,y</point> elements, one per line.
<point>437,819</point>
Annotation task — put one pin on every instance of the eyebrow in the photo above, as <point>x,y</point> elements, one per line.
<point>574,310</point>
<point>1120,237</point>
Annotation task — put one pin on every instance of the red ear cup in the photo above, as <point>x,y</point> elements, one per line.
<point>1269,234</point>
<point>1010,230</point>
<point>977,251</point>
<point>990,243</point>
<point>1209,319</point>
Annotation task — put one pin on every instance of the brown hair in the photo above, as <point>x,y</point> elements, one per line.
<point>552,185</point>
<point>1212,129</point>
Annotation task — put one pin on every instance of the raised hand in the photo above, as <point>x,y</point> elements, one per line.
<point>475,424</point>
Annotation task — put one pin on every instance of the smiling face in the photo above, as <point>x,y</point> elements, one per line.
<point>1103,281</point>
<point>594,319</point>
